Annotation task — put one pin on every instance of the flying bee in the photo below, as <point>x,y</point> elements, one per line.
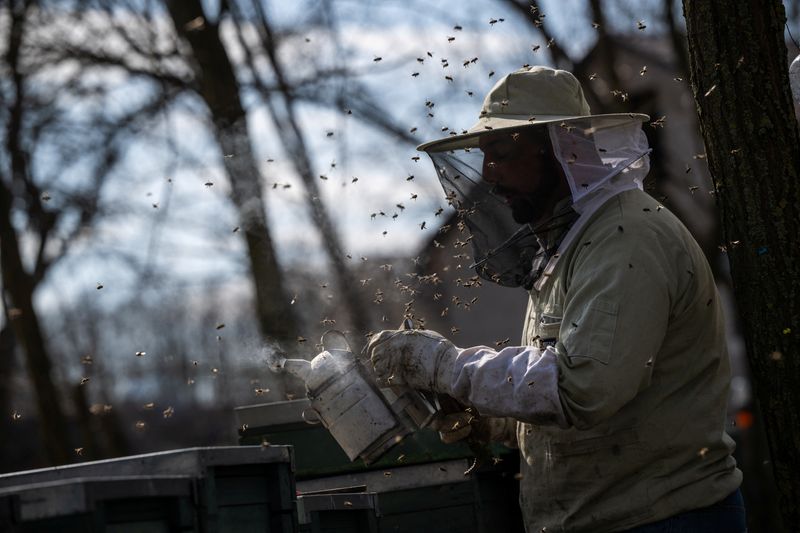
<point>659,122</point>
<point>195,24</point>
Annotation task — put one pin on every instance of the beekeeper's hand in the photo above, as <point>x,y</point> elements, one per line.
<point>420,359</point>
<point>455,427</point>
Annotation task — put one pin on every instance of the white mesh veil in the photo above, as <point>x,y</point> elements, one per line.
<point>502,248</point>
<point>600,157</point>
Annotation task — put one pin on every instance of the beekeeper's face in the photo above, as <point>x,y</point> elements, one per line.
<point>522,170</point>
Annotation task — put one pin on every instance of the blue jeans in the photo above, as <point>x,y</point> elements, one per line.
<point>726,516</point>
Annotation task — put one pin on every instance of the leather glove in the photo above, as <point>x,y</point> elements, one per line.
<point>420,359</point>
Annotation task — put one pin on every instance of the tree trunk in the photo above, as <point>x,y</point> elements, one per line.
<point>219,89</point>
<point>25,323</point>
<point>739,76</point>
<point>286,124</point>
<point>17,283</point>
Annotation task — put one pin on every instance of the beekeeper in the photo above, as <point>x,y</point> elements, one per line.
<point>618,393</point>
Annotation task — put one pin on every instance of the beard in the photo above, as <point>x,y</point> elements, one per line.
<point>528,208</point>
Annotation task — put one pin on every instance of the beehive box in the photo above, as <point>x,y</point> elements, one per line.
<point>419,484</point>
<point>316,451</point>
<point>95,505</point>
<point>339,512</point>
<point>237,488</point>
<point>437,497</point>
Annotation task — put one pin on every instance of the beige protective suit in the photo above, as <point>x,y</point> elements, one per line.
<point>637,324</point>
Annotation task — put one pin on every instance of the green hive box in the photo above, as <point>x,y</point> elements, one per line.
<point>435,497</point>
<point>419,484</point>
<point>235,488</point>
<point>100,505</point>
<point>338,512</point>
<point>318,454</point>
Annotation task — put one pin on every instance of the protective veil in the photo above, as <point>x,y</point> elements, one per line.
<point>600,157</point>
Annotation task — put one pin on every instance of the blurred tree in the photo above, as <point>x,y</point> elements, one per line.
<point>281,99</point>
<point>53,172</point>
<point>281,106</point>
<point>216,83</point>
<point>23,198</point>
<point>739,70</point>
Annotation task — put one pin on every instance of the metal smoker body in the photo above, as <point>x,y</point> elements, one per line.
<point>364,419</point>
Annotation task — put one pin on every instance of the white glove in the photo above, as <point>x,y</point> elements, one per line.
<point>420,359</point>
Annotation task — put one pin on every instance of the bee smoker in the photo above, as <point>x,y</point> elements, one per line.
<point>365,419</point>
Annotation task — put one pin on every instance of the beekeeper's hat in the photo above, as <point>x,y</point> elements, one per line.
<point>530,96</point>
